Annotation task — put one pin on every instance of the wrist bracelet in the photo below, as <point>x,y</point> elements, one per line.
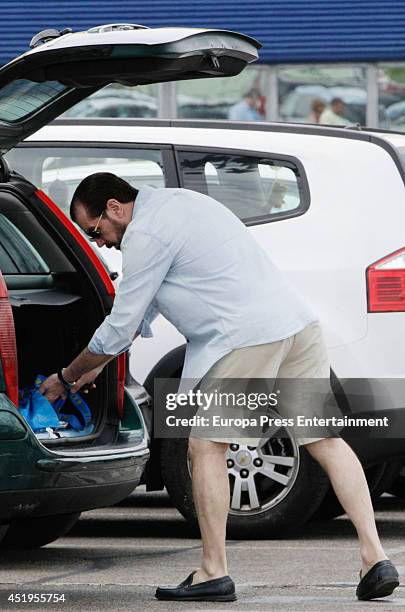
<point>64,382</point>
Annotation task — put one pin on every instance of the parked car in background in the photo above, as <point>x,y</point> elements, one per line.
<point>112,101</point>
<point>54,290</point>
<point>395,115</point>
<point>313,198</point>
<point>193,107</point>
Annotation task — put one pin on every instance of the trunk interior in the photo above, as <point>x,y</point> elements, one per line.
<point>56,310</point>
<point>51,327</point>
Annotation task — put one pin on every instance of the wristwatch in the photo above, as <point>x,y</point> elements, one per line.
<point>64,382</point>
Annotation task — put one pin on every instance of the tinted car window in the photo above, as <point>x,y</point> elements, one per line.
<point>17,255</point>
<point>21,98</point>
<point>256,189</point>
<point>7,266</point>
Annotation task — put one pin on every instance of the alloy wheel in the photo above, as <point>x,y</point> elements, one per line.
<point>261,477</point>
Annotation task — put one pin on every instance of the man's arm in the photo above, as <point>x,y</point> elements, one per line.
<point>83,363</point>
<point>145,264</point>
<point>84,369</point>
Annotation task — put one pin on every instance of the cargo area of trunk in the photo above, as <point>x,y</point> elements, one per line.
<point>52,327</point>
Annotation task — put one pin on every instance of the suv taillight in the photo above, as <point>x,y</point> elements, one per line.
<point>386,283</point>
<point>8,347</point>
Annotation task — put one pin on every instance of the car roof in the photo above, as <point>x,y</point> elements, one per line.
<point>397,140</point>
<point>351,131</point>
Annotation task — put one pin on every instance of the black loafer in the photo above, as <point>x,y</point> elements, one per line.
<point>219,589</point>
<point>379,581</point>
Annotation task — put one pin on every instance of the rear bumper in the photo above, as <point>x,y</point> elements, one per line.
<point>75,486</point>
<point>380,400</point>
<point>36,480</point>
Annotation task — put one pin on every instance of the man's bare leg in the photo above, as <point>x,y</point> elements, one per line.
<point>347,477</point>
<point>211,496</point>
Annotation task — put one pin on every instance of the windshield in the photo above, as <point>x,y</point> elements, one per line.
<point>23,97</point>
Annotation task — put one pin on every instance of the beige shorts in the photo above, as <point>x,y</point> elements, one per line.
<point>302,355</point>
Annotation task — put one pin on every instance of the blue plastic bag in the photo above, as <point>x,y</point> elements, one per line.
<point>41,414</point>
<point>37,410</point>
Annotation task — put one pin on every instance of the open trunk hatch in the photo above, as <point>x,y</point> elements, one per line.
<point>43,83</point>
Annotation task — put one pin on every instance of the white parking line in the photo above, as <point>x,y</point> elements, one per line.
<point>127,546</point>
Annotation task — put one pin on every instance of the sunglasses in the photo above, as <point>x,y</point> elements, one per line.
<point>93,232</point>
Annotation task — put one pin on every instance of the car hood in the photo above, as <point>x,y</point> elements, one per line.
<point>43,83</point>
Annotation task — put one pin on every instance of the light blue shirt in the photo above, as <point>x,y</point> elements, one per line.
<point>243,112</point>
<point>191,259</point>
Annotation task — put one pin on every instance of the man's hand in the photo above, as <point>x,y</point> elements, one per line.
<point>84,369</point>
<point>52,388</point>
<point>87,380</point>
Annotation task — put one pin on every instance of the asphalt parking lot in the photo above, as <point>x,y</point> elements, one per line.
<point>114,557</point>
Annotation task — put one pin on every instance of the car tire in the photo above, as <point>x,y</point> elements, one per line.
<point>390,475</point>
<point>36,532</point>
<point>282,508</point>
<point>379,478</point>
<point>3,531</point>
<point>397,488</point>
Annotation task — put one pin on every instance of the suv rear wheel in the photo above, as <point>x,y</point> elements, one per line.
<point>275,488</point>
<point>3,531</point>
<point>397,488</point>
<point>36,532</point>
<point>379,479</point>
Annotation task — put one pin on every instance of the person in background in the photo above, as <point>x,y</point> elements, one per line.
<point>334,113</point>
<point>317,108</point>
<point>247,108</point>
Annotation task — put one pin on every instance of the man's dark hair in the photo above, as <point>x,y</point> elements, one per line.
<point>336,101</point>
<point>94,191</point>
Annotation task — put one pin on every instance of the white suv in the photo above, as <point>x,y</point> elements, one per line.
<point>328,205</point>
